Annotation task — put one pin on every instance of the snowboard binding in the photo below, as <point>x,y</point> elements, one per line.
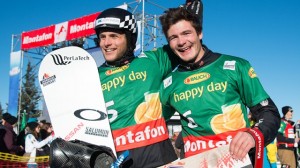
<point>79,154</point>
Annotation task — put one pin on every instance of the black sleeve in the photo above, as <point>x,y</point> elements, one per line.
<point>268,117</point>
<point>281,138</point>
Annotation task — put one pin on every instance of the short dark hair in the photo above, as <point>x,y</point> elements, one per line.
<point>174,15</point>
<point>286,109</point>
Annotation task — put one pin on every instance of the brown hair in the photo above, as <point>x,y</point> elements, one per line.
<point>30,129</point>
<point>46,126</point>
<point>44,130</point>
<point>174,15</point>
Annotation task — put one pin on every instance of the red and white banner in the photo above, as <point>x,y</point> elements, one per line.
<point>81,27</point>
<point>36,38</point>
<point>76,28</point>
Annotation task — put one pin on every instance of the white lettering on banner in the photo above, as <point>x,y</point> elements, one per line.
<point>77,28</point>
<point>259,152</point>
<point>37,38</point>
<point>199,145</point>
<point>139,136</point>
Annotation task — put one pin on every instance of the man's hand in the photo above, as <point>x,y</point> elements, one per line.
<point>195,7</point>
<point>241,145</point>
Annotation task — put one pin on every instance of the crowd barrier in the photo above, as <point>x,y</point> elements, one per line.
<point>13,161</point>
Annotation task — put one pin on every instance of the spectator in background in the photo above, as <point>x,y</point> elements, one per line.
<point>176,131</point>
<point>33,147</point>
<point>179,144</point>
<point>286,139</point>
<point>42,122</point>
<point>272,154</point>
<point>8,137</point>
<point>21,138</point>
<point>46,130</point>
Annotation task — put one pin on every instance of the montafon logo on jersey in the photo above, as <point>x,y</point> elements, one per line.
<point>196,78</point>
<point>65,60</point>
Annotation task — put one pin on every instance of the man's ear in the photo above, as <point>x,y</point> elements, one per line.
<point>200,36</point>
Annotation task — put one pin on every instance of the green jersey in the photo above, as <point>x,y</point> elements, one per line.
<point>131,93</point>
<point>212,101</point>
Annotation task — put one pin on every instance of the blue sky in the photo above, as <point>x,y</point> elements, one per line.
<point>265,32</point>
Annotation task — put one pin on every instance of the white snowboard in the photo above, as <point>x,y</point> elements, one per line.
<point>72,91</point>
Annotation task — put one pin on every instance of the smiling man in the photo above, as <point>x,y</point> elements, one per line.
<point>212,91</point>
<point>131,90</point>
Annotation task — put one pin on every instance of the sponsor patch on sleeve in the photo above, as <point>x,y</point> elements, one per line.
<point>229,65</point>
<point>252,73</point>
<point>167,81</point>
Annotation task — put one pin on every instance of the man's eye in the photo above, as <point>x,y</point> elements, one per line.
<point>171,38</point>
<point>186,33</point>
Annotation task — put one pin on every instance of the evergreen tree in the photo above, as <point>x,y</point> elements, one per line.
<point>30,94</point>
<point>1,110</point>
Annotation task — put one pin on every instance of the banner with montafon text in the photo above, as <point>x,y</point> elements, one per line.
<point>69,30</point>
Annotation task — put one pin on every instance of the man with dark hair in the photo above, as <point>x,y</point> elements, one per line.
<point>130,87</point>
<point>286,139</point>
<point>212,91</point>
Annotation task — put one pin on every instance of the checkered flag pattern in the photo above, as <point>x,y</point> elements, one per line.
<point>129,23</point>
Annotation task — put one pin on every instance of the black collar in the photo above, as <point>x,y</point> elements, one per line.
<point>123,61</point>
<point>207,59</point>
